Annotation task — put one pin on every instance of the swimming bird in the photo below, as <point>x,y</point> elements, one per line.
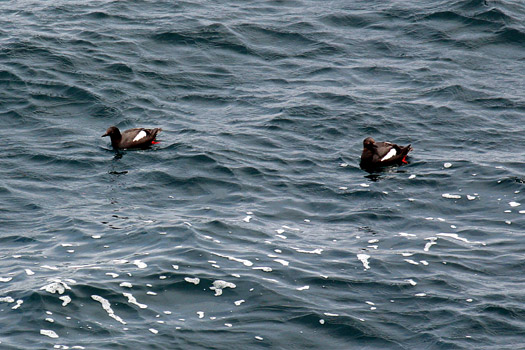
<point>380,154</point>
<point>132,138</point>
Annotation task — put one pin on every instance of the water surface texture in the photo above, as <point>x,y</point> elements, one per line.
<point>251,225</point>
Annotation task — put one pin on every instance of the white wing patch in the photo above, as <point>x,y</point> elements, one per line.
<point>142,134</point>
<point>389,155</point>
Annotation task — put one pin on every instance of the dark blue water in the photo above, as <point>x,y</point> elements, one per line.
<point>251,225</point>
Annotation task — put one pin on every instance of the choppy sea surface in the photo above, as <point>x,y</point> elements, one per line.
<point>251,224</point>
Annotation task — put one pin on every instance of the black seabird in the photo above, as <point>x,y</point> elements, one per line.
<point>132,138</point>
<point>380,154</point>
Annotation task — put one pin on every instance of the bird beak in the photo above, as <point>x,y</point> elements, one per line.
<point>106,134</point>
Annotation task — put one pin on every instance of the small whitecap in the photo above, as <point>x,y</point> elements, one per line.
<point>195,280</point>
<point>29,272</point>
<point>315,251</point>
<point>470,197</point>
<point>404,234</point>
<point>411,281</point>
<point>259,338</point>
<point>371,241</point>
<point>369,302</point>
<point>176,267</point>
<point>343,188</point>
<point>451,196</point>
<point>167,312</point>
<point>219,285</point>
<point>7,300</point>
<point>229,325</point>
<point>303,288</point>
<point>469,300</point>
<point>132,300</point>
<point>364,260</point>
<point>19,303</point>
<point>331,314</point>
<point>200,314</point>
<point>5,279</point>
<point>239,302</point>
<point>447,165</point>
<point>412,177</point>
<point>282,262</point>
<point>247,218</point>
<point>140,264</point>
<point>410,261</point>
<point>321,321</point>
<point>49,319</point>
<point>49,333</point>
<point>514,204</point>
<point>112,274</point>
<point>429,244</point>
<point>263,268</point>
<point>107,307</point>
<point>153,330</point>
<point>126,285</point>
<point>344,165</point>
<point>420,294</point>
<point>424,262</point>
<point>149,292</point>
<point>65,300</point>
<point>364,185</point>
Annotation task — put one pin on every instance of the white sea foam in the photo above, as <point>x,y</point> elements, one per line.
<point>514,204</point>
<point>239,302</point>
<point>303,288</point>
<point>132,300</point>
<point>410,261</point>
<point>456,236</point>
<point>19,303</point>
<point>219,285</point>
<point>282,262</point>
<point>140,264</point>
<point>56,286</point>
<point>243,261</point>
<point>404,234</point>
<point>315,251</point>
<point>29,272</point>
<point>364,259</point>
<point>429,244</point>
<point>451,196</point>
<point>66,299</point>
<point>195,280</point>
<point>263,268</point>
<point>49,333</point>
<point>107,307</point>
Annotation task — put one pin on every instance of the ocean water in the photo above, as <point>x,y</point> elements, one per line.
<point>251,224</point>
